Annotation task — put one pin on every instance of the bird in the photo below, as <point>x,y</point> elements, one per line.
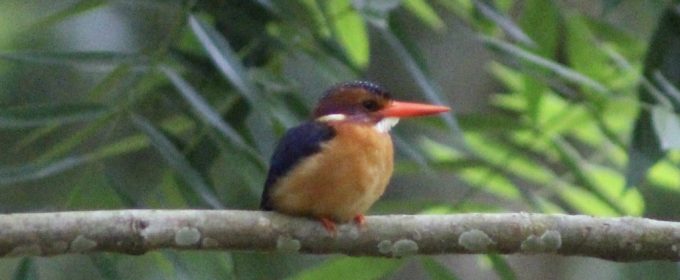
<point>336,166</point>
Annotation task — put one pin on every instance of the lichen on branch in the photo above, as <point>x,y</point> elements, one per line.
<point>140,231</point>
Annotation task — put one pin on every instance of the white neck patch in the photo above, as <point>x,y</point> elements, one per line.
<point>382,126</point>
<point>386,124</point>
<point>332,118</point>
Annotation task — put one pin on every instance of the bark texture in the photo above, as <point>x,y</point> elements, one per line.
<point>140,231</point>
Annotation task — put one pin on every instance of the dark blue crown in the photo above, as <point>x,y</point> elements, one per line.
<point>368,86</point>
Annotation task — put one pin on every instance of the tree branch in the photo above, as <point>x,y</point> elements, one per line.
<point>140,231</point>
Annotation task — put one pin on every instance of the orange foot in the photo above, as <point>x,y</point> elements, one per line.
<point>329,225</point>
<point>360,220</point>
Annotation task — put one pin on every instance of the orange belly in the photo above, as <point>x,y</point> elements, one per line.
<point>343,180</point>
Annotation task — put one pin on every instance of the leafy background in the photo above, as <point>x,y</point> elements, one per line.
<point>559,107</point>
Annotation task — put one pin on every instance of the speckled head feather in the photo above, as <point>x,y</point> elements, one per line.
<point>365,85</point>
<point>353,98</point>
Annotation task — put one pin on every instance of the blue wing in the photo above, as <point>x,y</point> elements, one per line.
<point>297,144</point>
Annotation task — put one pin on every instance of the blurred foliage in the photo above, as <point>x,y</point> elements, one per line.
<point>178,104</point>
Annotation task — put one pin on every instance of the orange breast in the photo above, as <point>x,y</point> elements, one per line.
<point>349,174</point>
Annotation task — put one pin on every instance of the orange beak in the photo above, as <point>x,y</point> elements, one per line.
<point>407,109</point>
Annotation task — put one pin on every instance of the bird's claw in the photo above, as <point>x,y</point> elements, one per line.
<point>329,225</point>
<point>332,228</point>
<point>360,220</point>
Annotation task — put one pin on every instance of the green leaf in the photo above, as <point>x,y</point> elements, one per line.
<point>210,116</point>
<point>401,33</point>
<point>479,172</point>
<point>174,194</point>
<point>88,189</point>
<point>106,85</point>
<point>585,53</point>
<point>645,149</point>
<point>663,53</point>
<point>36,171</point>
<point>501,266</point>
<point>39,170</point>
<point>126,197</point>
<point>515,161</point>
<point>93,59</point>
<point>554,67</point>
<point>611,183</point>
<point>225,59</point>
<point>585,202</point>
<point>577,166</point>
<point>665,175</point>
<point>26,270</point>
<point>424,12</point>
<point>425,83</point>
<point>533,95</point>
<point>669,90</point>
<point>106,265</point>
<point>506,24</point>
<point>351,31</point>
<point>491,181</point>
<point>112,81</point>
<point>125,145</point>
<point>362,268</point>
<point>376,11</point>
<point>75,9</point>
<point>231,68</point>
<point>77,138</point>
<point>667,127</point>
<point>546,34</point>
<point>435,270</point>
<point>200,265</point>
<point>464,9</point>
<point>48,114</point>
<point>314,10</point>
<point>203,109</point>
<point>663,57</point>
<point>622,39</point>
<point>177,161</point>
<point>487,122</point>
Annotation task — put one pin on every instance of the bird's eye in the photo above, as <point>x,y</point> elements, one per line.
<point>370,105</point>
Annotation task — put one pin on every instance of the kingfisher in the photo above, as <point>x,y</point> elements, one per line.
<point>334,167</point>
